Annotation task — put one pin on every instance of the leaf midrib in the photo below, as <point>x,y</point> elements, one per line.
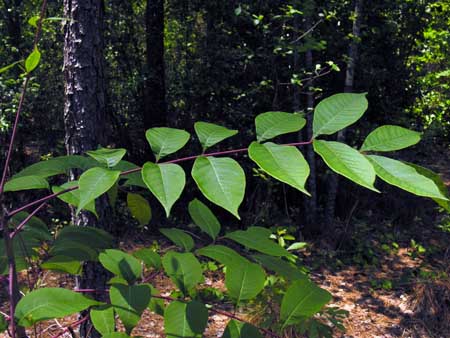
<point>91,190</point>
<point>216,174</point>
<point>295,309</point>
<point>330,121</point>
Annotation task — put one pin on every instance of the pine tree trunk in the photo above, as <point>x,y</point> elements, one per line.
<point>155,109</point>
<point>84,112</point>
<point>349,83</point>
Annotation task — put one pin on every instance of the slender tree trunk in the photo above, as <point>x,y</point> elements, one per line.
<point>296,67</point>
<point>84,111</point>
<point>311,202</point>
<point>349,82</point>
<point>155,108</point>
<point>353,48</point>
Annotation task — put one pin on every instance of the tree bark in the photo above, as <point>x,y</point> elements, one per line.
<point>85,113</point>
<point>155,108</point>
<point>349,83</point>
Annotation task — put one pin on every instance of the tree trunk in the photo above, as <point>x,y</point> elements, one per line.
<point>349,82</point>
<point>84,112</point>
<point>353,48</point>
<point>155,109</point>
<point>311,202</point>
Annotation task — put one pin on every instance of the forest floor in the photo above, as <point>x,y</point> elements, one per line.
<point>397,293</point>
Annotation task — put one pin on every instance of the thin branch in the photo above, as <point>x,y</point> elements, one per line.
<point>14,132</point>
<point>72,326</point>
<point>25,221</point>
<point>152,276</point>
<point>41,200</point>
<point>131,171</point>
<point>37,35</point>
<point>318,75</point>
<point>308,31</point>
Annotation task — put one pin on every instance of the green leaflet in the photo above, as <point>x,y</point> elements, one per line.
<point>338,112</point>
<point>129,301</point>
<point>95,238</point>
<point>244,281</point>
<point>74,250</point>
<point>26,183</point>
<point>63,264</point>
<point>8,67</point>
<point>121,264</point>
<point>165,181</point>
<point>109,157</point>
<point>33,21</point>
<point>204,218</point>
<point>150,258</point>
<point>280,266</point>
<point>32,60</point>
<point>49,303</point>
<point>95,182</point>
<point>184,270</point>
<point>405,177</point>
<point>221,180</point>
<point>179,238</point>
<point>185,319</point>
<point>44,169</point>
<point>257,238</point>
<point>303,299</point>
<point>272,124</point>
<point>439,183</point>
<point>222,254</point>
<point>284,163</point>
<point>389,138</point>
<point>347,162</point>
<point>210,134</point>
<point>139,208</point>
<point>165,141</point>
<point>73,197</point>
<point>57,165</point>
<point>102,318</point>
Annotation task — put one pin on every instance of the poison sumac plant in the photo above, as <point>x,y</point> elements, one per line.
<point>221,180</point>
